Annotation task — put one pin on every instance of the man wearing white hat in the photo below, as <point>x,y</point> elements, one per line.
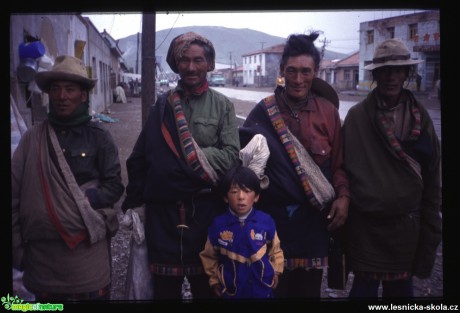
<point>392,157</point>
<point>66,177</point>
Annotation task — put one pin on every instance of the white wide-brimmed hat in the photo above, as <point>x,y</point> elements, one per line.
<point>65,68</point>
<point>391,52</point>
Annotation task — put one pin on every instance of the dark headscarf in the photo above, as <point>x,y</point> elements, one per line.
<point>181,43</point>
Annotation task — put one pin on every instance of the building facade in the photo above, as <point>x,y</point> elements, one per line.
<point>58,34</point>
<point>261,67</point>
<point>342,74</point>
<point>422,34</point>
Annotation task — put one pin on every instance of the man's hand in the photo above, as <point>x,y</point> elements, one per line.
<point>339,213</point>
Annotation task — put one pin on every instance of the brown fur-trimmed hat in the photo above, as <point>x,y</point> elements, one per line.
<point>323,89</point>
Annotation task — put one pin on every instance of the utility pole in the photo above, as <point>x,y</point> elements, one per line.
<point>137,54</point>
<point>323,48</point>
<point>323,51</point>
<point>148,63</point>
<point>262,45</point>
<point>259,68</point>
<point>231,69</point>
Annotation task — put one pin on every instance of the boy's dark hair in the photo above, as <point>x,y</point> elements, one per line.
<point>241,176</point>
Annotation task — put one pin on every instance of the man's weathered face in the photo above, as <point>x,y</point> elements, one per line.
<point>390,80</point>
<point>298,73</point>
<point>66,97</point>
<point>193,66</point>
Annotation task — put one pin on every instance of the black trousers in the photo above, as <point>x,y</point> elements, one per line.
<point>300,283</point>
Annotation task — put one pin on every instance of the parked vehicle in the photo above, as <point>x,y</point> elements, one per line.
<point>217,80</point>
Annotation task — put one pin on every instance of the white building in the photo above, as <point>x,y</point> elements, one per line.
<point>261,67</point>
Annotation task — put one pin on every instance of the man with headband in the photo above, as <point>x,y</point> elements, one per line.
<point>189,141</point>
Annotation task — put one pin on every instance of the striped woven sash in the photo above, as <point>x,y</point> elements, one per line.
<point>186,138</point>
<point>394,142</point>
<point>283,133</point>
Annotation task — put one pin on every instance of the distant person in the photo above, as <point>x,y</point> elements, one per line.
<point>187,144</point>
<point>418,81</point>
<point>242,256</point>
<point>393,161</point>
<point>131,87</point>
<point>120,95</point>
<point>66,178</point>
<point>308,191</point>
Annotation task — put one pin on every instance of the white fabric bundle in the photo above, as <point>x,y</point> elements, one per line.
<point>255,156</point>
<point>139,281</point>
<point>321,187</point>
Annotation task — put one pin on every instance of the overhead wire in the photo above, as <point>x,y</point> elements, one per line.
<point>168,32</point>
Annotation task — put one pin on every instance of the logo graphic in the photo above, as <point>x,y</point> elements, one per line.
<point>257,236</point>
<point>17,304</point>
<point>226,235</point>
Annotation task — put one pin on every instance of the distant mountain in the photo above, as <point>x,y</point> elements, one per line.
<point>230,44</point>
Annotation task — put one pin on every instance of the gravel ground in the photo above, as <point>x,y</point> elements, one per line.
<point>125,132</point>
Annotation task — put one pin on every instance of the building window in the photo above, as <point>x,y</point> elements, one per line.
<point>346,75</point>
<point>391,32</point>
<point>370,37</point>
<point>413,30</point>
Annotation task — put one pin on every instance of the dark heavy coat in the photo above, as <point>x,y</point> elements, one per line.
<point>394,224</point>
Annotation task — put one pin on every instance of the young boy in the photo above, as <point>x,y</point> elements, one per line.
<point>242,255</point>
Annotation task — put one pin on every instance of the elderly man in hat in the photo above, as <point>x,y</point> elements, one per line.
<point>188,143</point>
<point>307,195</point>
<point>392,157</point>
<point>66,177</point>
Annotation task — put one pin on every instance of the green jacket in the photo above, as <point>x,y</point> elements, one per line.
<point>214,110</point>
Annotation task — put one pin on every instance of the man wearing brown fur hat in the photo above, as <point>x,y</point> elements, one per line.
<point>188,143</point>
<point>66,177</point>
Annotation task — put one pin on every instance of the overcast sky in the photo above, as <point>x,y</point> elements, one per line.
<point>340,28</point>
